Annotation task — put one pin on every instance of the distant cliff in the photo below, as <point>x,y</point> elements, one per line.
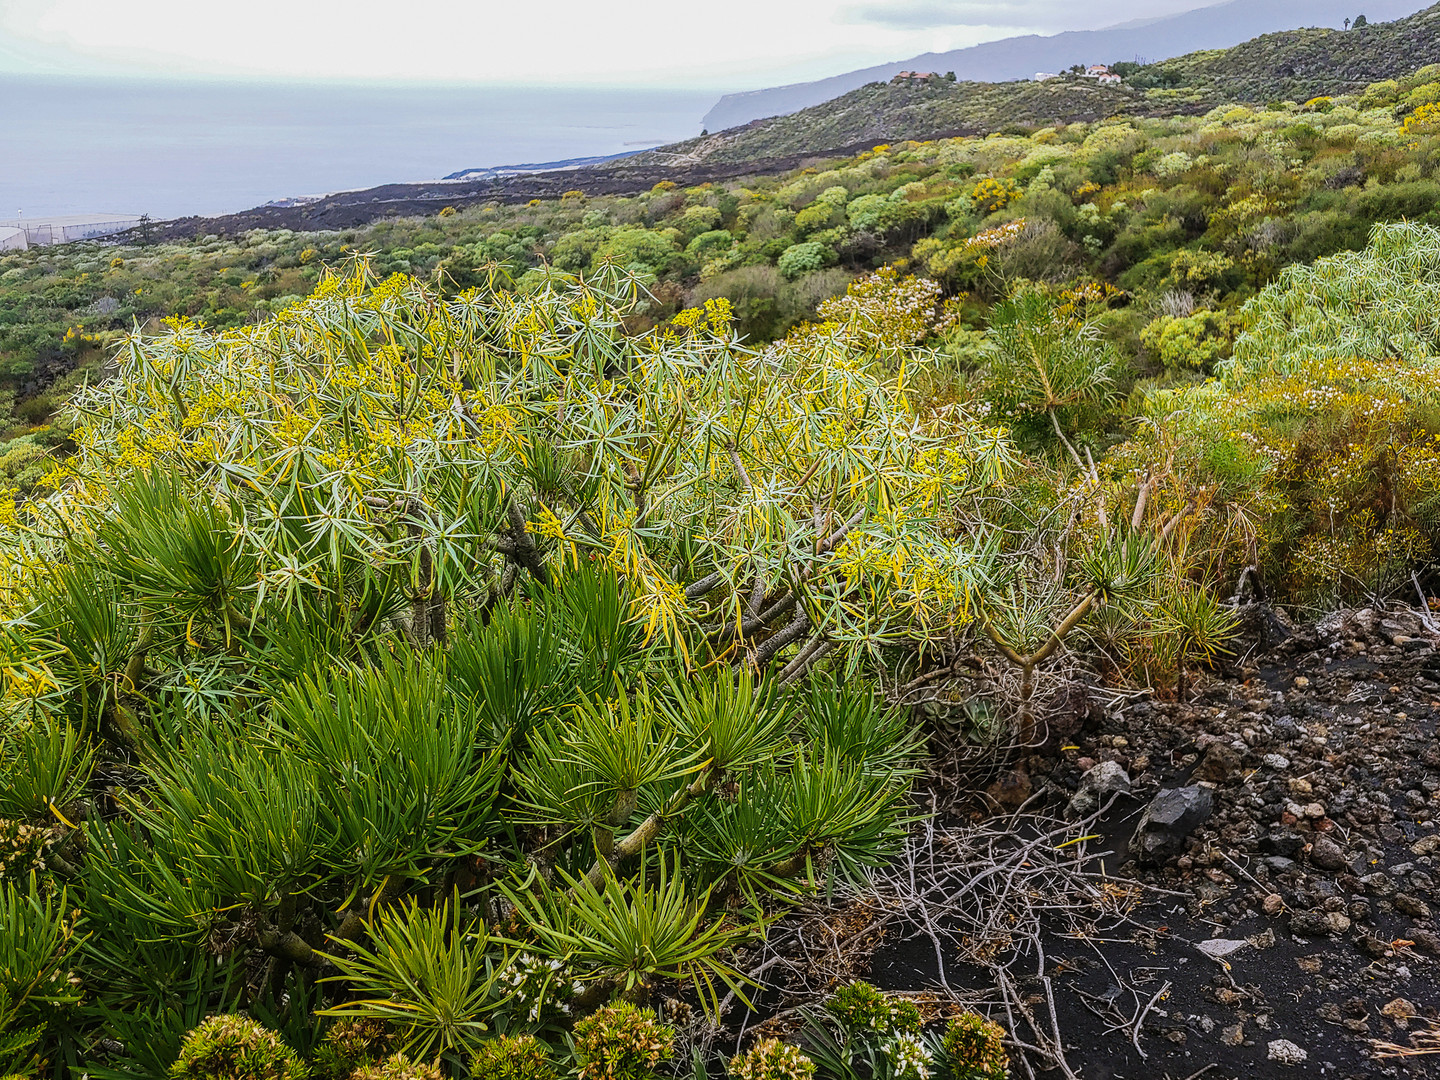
<point>1217,27</point>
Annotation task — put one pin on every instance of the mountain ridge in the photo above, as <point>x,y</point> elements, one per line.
<point>1217,26</point>
<point>1286,65</point>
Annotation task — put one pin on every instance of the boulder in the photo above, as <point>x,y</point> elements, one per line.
<point>1283,842</point>
<point>1326,854</point>
<point>1096,786</point>
<point>1285,1052</point>
<point>1172,815</point>
<point>1315,924</point>
<point>1219,765</point>
<point>1219,948</point>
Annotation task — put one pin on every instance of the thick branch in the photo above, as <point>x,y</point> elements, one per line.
<point>804,661</point>
<point>1072,620</point>
<point>706,585</point>
<point>649,829</point>
<point>780,639</point>
<point>526,553</point>
<point>289,946</point>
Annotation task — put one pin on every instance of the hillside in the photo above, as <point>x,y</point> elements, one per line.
<point>910,109</point>
<point>1214,27</point>
<point>1295,65</point>
<point>1301,64</point>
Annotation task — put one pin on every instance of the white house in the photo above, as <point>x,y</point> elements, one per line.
<point>12,239</point>
<point>1110,78</point>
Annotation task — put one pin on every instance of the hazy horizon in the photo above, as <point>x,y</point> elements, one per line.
<point>636,44</point>
<point>97,146</point>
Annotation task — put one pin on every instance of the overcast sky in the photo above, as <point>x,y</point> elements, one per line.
<point>735,44</point>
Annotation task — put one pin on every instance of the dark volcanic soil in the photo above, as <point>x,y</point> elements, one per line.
<point>349,209</point>
<point>1317,867</point>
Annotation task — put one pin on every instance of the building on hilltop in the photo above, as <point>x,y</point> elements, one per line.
<point>12,239</point>
<point>1044,76</point>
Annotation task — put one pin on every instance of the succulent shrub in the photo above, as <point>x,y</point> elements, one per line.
<point>512,1057</point>
<point>398,1067</point>
<point>860,1007</point>
<point>861,1031</point>
<point>621,1042</point>
<point>235,1047</point>
<point>771,1059</point>
<point>974,1048</point>
<point>350,1043</point>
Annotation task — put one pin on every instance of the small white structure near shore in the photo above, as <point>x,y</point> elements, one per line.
<point>12,239</point>
<point>66,229</point>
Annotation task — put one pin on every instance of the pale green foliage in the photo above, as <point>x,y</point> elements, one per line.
<point>859,1007</point>
<point>335,411</point>
<point>512,1057</point>
<point>233,1047</point>
<point>861,1032</point>
<point>398,1067</point>
<point>803,258</point>
<point>1196,341</point>
<point>350,1043</point>
<point>1382,303</point>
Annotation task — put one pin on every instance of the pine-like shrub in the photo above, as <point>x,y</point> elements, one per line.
<point>622,1042</point>
<point>975,1048</point>
<point>512,1057</point>
<point>771,1059</point>
<point>234,1047</point>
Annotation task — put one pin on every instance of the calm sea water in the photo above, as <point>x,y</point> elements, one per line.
<point>168,149</point>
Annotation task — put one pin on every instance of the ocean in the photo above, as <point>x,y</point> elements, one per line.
<point>170,149</point>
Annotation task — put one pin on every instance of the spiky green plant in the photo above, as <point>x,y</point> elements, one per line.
<point>430,972</point>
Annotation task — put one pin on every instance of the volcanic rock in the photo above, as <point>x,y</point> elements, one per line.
<point>1172,815</point>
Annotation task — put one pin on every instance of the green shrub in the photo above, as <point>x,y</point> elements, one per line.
<point>709,244</point>
<point>860,1007</point>
<point>804,258</point>
<point>975,1048</point>
<point>234,1047</point>
<point>350,1043</point>
<point>398,1067</point>
<point>1196,341</point>
<point>622,1042</point>
<point>770,1059</point>
<point>512,1057</point>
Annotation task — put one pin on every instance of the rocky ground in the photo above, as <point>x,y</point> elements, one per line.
<point>1284,823</point>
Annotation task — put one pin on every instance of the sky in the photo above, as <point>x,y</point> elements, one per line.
<point>740,44</point>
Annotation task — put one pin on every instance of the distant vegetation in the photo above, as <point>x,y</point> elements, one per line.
<point>1186,216</point>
